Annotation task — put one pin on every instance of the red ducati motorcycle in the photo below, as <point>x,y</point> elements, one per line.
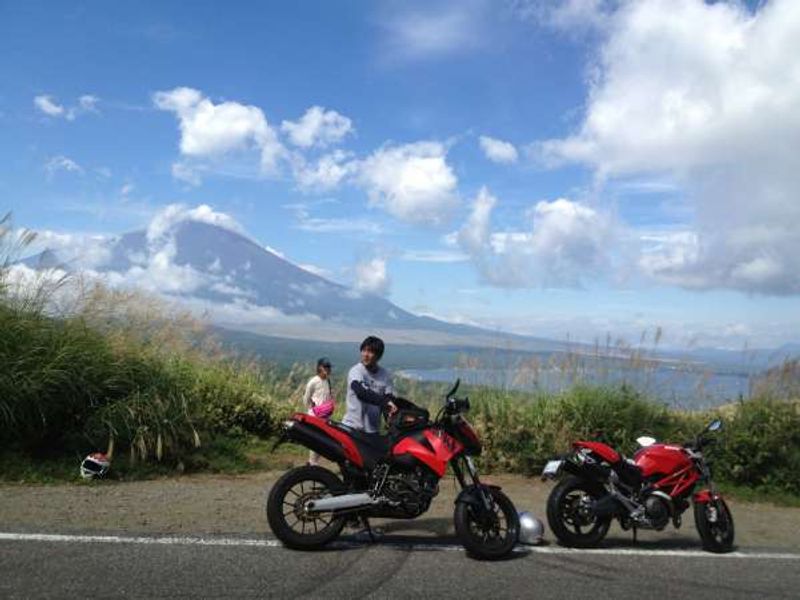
<point>390,476</point>
<point>644,493</point>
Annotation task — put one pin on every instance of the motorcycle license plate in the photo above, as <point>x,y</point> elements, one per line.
<point>552,468</point>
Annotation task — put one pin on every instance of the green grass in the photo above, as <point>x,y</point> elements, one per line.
<point>225,454</point>
<point>758,450</point>
<point>760,495</point>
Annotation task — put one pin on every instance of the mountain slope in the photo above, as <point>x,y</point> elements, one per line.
<point>198,261</point>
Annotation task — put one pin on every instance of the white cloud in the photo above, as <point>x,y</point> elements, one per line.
<point>239,311</point>
<point>497,150</point>
<point>372,277</point>
<point>88,103</point>
<point>328,173</point>
<point>474,236</point>
<point>167,218</point>
<point>317,127</point>
<point>570,238</point>
<point>666,255</point>
<point>433,29</point>
<point>572,16</point>
<point>434,256</point>
<point>188,173</point>
<point>232,291</point>
<point>211,130</point>
<point>567,242</point>
<point>156,270</point>
<point>413,182</point>
<point>48,106</point>
<point>706,94</point>
<point>314,224</point>
<point>62,163</point>
<point>161,274</point>
<point>339,225</point>
<point>75,250</point>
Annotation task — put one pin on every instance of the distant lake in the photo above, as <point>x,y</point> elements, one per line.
<point>674,385</point>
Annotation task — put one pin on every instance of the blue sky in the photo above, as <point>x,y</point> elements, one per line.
<point>552,168</point>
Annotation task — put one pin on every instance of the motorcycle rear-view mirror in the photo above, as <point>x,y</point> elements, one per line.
<point>715,425</point>
<point>454,389</point>
<point>645,441</point>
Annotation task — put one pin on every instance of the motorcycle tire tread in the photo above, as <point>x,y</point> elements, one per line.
<point>474,547</point>
<point>566,537</point>
<point>277,521</point>
<point>710,543</point>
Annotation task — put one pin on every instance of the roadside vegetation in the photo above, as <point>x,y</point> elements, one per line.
<point>84,368</point>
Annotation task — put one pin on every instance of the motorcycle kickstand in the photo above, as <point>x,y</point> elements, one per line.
<point>368,529</point>
<point>634,529</point>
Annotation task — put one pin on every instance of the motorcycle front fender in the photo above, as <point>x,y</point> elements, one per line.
<point>705,496</point>
<point>472,494</point>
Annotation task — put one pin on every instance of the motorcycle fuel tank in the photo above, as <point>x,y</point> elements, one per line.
<point>661,459</point>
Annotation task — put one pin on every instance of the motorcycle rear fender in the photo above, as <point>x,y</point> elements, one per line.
<point>705,496</point>
<point>471,494</point>
<point>313,439</point>
<point>282,439</point>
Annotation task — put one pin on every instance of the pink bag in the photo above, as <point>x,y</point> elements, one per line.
<point>325,409</point>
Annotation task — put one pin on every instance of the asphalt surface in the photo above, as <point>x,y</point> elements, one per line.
<point>204,537</point>
<point>395,567</point>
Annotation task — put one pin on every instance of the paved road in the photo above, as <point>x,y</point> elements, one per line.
<point>72,566</point>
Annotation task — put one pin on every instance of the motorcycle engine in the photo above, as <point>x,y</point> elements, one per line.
<point>658,511</point>
<point>412,491</point>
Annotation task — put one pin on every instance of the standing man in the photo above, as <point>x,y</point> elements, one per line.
<point>369,389</point>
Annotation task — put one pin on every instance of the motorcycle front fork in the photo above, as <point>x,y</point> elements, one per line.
<point>472,471</point>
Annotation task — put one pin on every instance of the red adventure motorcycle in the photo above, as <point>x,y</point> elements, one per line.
<point>389,476</point>
<point>645,493</point>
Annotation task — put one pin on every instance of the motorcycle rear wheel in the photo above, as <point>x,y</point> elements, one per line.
<point>716,533</point>
<point>488,536</point>
<point>569,515</point>
<point>285,508</point>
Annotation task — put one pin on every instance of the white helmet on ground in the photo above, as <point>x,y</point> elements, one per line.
<point>531,529</point>
<point>95,466</point>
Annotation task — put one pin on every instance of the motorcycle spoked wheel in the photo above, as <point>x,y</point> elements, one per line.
<point>714,523</point>
<point>570,516</point>
<point>286,513</point>
<point>488,535</point>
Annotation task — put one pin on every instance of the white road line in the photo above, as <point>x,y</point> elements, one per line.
<point>269,543</point>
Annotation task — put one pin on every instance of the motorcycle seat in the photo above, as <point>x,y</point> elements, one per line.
<point>372,446</point>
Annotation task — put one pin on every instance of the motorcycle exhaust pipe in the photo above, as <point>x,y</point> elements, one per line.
<point>333,503</point>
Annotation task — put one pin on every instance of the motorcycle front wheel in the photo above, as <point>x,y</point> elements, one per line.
<point>714,523</point>
<point>488,534</point>
<point>571,517</point>
<point>286,513</point>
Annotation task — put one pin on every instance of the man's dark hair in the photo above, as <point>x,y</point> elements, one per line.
<point>375,344</point>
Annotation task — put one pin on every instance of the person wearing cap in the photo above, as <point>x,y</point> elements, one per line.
<point>318,398</point>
